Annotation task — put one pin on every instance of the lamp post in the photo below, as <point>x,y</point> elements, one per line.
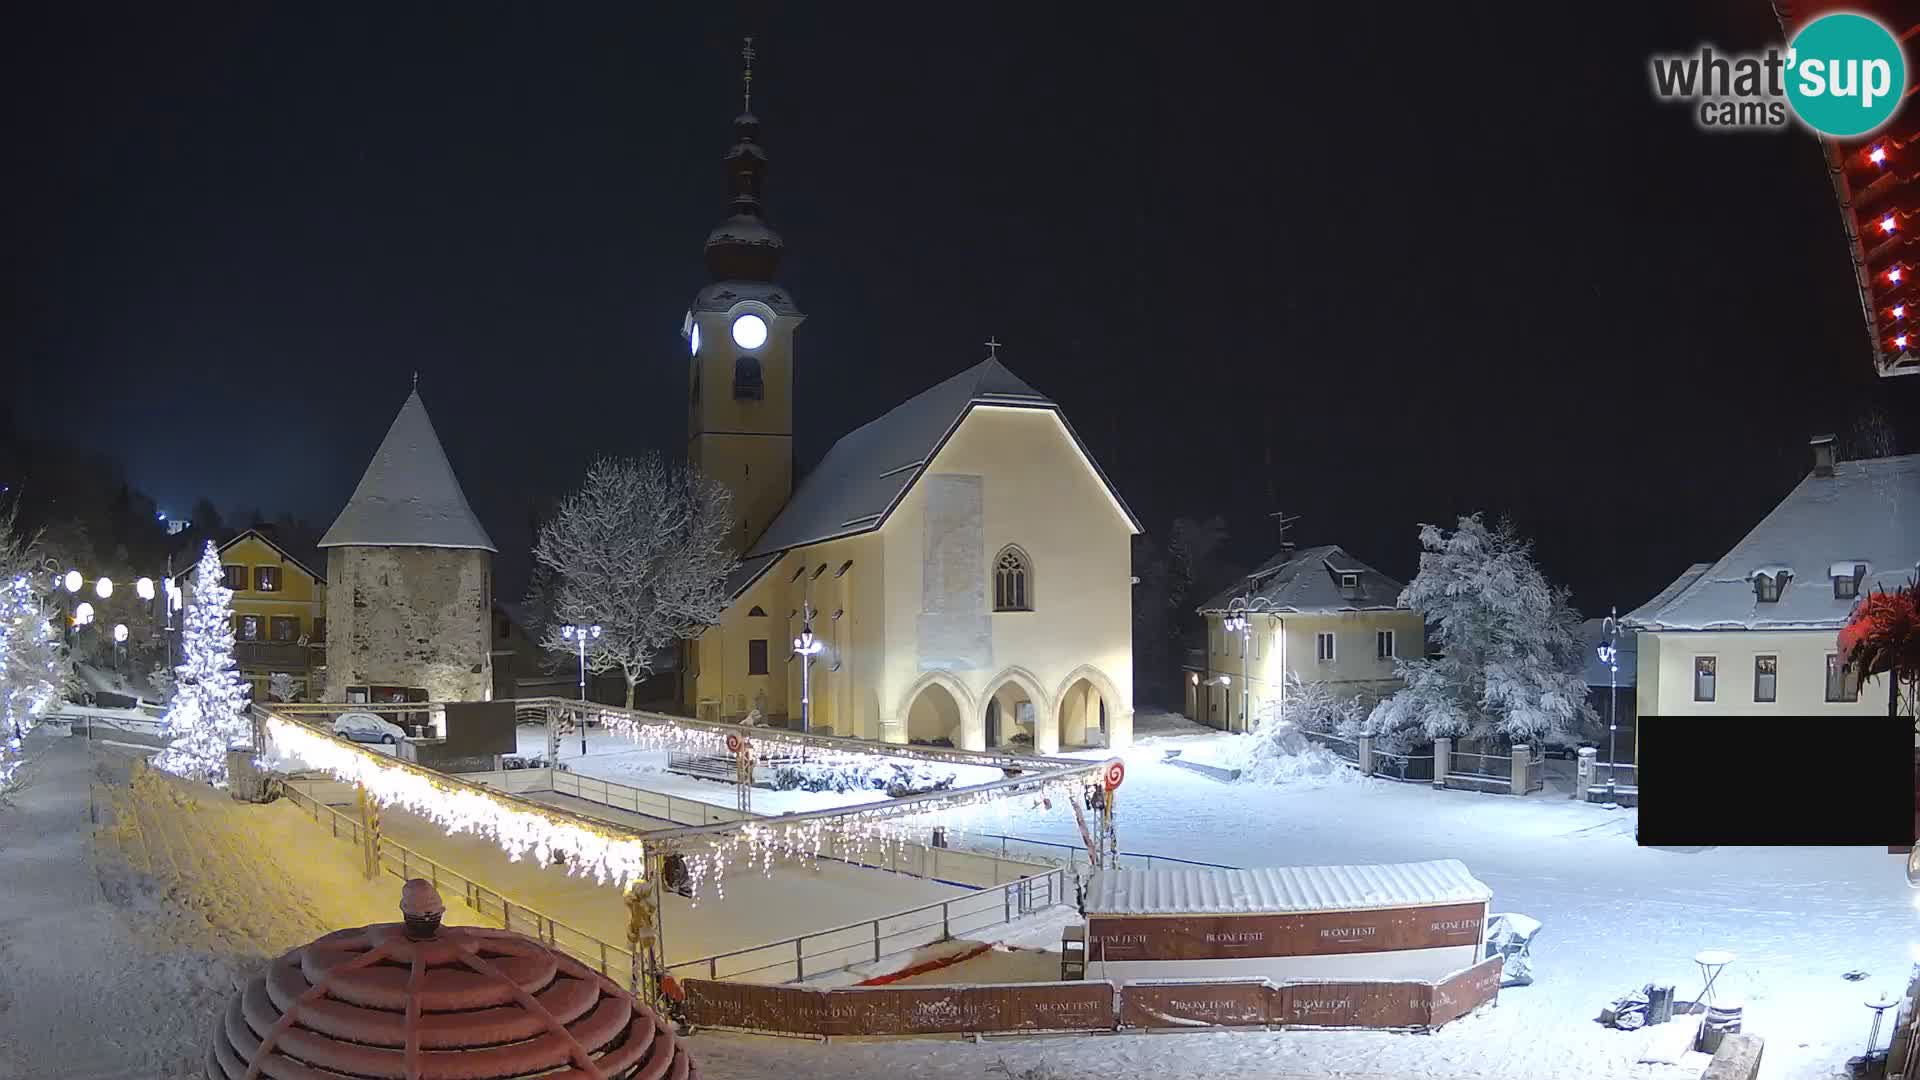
<point>1237,622</point>
<point>1610,656</point>
<point>806,647</point>
<point>582,634</point>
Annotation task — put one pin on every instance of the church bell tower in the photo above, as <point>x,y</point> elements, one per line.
<point>740,334</point>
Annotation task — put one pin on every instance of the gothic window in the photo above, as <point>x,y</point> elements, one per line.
<point>1012,580</point>
<point>746,378</point>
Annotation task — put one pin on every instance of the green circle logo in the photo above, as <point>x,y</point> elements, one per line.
<point>1845,74</point>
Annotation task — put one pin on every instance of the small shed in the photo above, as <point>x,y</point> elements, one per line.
<point>1421,920</point>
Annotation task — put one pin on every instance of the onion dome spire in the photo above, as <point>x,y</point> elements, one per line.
<point>744,247</point>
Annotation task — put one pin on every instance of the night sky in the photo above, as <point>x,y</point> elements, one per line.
<point>1422,263</point>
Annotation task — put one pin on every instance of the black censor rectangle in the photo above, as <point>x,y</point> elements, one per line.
<point>1776,780</point>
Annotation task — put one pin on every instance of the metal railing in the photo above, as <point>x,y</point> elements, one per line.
<point>1075,856</point>
<point>613,961</point>
<point>871,941</point>
<point>1409,768</point>
<point>653,804</point>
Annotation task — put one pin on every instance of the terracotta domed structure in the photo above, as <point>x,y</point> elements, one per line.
<point>418,1001</point>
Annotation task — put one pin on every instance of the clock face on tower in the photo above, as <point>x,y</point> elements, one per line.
<point>749,331</point>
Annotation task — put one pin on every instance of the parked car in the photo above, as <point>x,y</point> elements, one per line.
<point>366,727</point>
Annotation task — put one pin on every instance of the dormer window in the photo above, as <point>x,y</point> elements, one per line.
<point>1847,578</point>
<point>1768,587</point>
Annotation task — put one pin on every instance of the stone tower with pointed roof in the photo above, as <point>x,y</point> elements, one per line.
<point>411,571</point>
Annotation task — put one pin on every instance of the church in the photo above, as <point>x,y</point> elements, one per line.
<point>957,571</point>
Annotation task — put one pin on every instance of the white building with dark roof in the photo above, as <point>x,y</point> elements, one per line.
<point>1316,613</point>
<point>962,563</point>
<point>410,578</point>
<point>1754,632</point>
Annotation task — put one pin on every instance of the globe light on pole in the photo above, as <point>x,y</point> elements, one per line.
<point>74,581</point>
<point>581,635</point>
<point>806,647</point>
<point>83,614</point>
<point>144,588</point>
<point>103,588</point>
<point>120,633</point>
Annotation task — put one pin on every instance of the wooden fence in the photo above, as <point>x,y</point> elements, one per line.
<point>1090,1006</point>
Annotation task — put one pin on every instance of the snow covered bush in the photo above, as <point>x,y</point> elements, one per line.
<point>897,779</point>
<point>208,713</point>
<point>33,665</point>
<point>1511,653</point>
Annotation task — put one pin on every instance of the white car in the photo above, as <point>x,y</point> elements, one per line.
<point>366,727</point>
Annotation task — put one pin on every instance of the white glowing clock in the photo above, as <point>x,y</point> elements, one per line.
<point>749,331</point>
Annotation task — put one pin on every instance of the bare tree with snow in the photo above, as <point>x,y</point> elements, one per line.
<point>1511,654</point>
<point>641,551</point>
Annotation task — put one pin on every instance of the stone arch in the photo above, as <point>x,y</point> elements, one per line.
<point>1027,684</point>
<point>964,723</point>
<point>1076,711</point>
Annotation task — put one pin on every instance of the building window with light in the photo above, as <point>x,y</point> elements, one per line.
<point>757,656</point>
<point>1323,647</point>
<point>246,627</point>
<point>284,628</point>
<point>1842,686</point>
<point>234,577</point>
<point>1383,644</point>
<point>1012,580</point>
<point>1704,668</point>
<point>266,579</point>
<point>1766,678</point>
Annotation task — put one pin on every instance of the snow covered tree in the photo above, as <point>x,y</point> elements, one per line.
<point>208,713</point>
<point>1511,652</point>
<point>33,665</point>
<point>162,680</point>
<point>641,551</point>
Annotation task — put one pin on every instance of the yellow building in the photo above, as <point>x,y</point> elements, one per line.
<point>961,563</point>
<point>279,614</point>
<point>1319,614</point>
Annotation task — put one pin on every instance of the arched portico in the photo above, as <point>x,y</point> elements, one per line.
<point>938,706</point>
<point>1089,704</point>
<point>1000,707</point>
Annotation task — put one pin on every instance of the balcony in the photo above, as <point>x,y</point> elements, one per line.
<point>279,655</point>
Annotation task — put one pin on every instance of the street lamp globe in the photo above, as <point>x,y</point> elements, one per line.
<point>83,614</point>
<point>144,588</point>
<point>74,581</point>
<point>119,632</point>
<point>104,588</point>
<point>567,632</point>
<point>593,631</point>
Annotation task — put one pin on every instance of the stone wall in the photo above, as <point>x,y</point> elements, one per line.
<point>410,616</point>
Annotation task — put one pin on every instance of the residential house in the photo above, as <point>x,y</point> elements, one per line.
<point>1319,614</point>
<point>1754,632</point>
<point>279,612</point>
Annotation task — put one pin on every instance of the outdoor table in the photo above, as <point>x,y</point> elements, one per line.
<point>1712,962</point>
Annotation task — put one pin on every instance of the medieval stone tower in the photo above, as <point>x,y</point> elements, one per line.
<point>740,332</point>
<point>410,572</point>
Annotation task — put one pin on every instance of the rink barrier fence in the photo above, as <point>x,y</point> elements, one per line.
<point>1091,1006</point>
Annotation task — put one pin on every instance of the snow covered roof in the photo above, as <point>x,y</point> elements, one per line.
<point>1867,511</point>
<point>190,558</point>
<point>1593,632</point>
<point>1282,889</point>
<point>866,474</point>
<point>1308,582</point>
<point>409,496</point>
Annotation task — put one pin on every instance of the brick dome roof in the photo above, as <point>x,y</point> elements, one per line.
<point>416,1001</point>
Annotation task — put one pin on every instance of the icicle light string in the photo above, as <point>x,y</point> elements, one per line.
<point>620,859</point>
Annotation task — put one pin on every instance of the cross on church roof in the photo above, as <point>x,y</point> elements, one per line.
<point>993,348</point>
<point>746,79</point>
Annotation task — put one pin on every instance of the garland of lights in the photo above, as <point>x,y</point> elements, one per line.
<point>606,854</point>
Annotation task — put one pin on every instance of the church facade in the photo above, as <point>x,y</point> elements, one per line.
<point>957,571</point>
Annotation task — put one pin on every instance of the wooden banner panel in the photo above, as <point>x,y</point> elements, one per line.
<point>744,1005</point>
<point>1352,1004</point>
<point>1230,937</point>
<point>939,1010</point>
<point>1085,1006</point>
<point>1466,991</point>
<point>1195,1004</point>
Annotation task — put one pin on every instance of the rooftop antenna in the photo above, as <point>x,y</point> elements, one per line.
<point>993,347</point>
<point>746,79</point>
<point>1282,519</point>
<point>416,380</point>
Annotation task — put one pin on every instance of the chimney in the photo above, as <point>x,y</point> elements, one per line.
<point>1822,454</point>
